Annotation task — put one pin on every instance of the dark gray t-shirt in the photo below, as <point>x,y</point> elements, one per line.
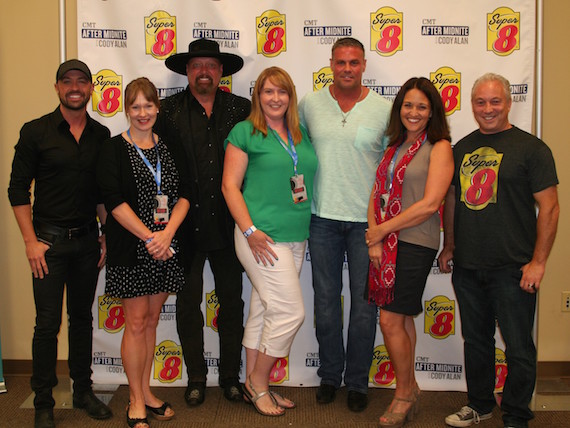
<point>495,178</point>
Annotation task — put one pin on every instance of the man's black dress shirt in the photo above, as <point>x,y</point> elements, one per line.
<point>183,121</point>
<point>65,192</point>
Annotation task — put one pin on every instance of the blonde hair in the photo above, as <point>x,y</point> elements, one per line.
<point>281,79</point>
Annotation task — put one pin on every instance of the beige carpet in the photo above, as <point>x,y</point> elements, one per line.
<point>218,412</point>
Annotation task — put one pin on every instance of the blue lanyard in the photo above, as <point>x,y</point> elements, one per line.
<point>289,148</point>
<point>391,167</point>
<point>156,174</point>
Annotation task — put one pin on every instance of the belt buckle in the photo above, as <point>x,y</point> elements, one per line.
<point>69,234</point>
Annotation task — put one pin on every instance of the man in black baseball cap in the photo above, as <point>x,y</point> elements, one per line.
<point>73,64</point>
<point>199,120</point>
<point>63,246</point>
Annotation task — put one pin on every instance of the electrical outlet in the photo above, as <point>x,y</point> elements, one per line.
<point>566,301</point>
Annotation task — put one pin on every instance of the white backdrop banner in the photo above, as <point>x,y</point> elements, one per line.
<point>451,43</point>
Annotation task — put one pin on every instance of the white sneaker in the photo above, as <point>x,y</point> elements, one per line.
<point>466,417</point>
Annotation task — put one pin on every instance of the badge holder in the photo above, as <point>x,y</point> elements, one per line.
<point>161,211</point>
<point>298,188</point>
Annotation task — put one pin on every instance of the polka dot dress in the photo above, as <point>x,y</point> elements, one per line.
<point>148,276</point>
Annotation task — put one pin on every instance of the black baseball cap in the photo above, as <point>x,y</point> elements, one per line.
<point>73,64</point>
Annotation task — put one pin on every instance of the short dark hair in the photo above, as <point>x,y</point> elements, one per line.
<point>347,42</point>
<point>437,127</point>
<point>144,86</point>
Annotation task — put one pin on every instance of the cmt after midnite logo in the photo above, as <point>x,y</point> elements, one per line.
<point>386,31</point>
<point>445,34</point>
<point>212,310</point>
<point>440,371</point>
<point>104,38</point>
<point>160,34</point>
<point>167,361</point>
<point>280,371</point>
<point>111,316</point>
<point>439,317</point>
<point>325,35</point>
<point>381,371</point>
<point>113,364</point>
<point>166,92</point>
<point>503,31</point>
<point>448,82</point>
<point>107,97</point>
<point>519,92</point>
<point>225,38</point>
<point>388,92</point>
<point>271,33</point>
<point>312,359</point>
<point>322,78</point>
<point>168,313</point>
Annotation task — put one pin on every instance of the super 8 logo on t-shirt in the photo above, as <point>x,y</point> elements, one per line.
<point>478,176</point>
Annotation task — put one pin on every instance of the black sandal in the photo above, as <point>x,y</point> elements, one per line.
<point>159,413</point>
<point>133,422</point>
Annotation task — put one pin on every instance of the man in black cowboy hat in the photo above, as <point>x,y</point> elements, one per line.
<point>200,119</point>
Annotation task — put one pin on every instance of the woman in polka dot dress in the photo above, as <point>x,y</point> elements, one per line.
<point>146,193</point>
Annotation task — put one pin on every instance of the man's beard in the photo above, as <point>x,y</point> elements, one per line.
<point>204,88</point>
<point>69,106</point>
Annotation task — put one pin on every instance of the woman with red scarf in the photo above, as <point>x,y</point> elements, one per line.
<point>404,228</point>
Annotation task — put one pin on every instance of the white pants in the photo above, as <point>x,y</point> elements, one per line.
<point>276,310</point>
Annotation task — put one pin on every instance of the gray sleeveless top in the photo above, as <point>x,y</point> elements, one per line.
<point>427,233</point>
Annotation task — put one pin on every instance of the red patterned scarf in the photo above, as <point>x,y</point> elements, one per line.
<point>381,281</point>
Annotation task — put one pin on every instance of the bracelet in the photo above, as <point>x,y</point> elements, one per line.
<point>249,231</point>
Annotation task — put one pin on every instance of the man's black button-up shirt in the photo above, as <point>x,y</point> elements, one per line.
<point>65,192</point>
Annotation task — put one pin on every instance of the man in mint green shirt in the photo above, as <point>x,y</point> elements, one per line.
<point>346,123</point>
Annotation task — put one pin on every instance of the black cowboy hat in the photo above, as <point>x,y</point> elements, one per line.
<point>204,48</point>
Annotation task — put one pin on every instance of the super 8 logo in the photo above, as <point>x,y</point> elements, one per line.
<point>322,78</point>
<point>107,97</point>
<point>381,371</point>
<point>212,310</point>
<point>280,371</point>
<point>271,33</point>
<point>167,361</point>
<point>503,31</point>
<point>160,34</point>
<point>111,315</point>
<point>500,369</point>
<point>448,82</point>
<point>478,175</point>
<point>439,318</point>
<point>386,31</point>
<point>225,84</point>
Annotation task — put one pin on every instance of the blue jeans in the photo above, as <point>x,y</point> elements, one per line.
<point>483,296</point>
<point>328,242</point>
<point>72,265</point>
